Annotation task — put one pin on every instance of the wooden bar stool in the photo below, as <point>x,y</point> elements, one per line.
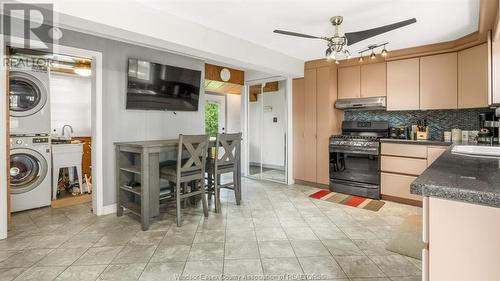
<point>190,169</point>
<point>226,160</point>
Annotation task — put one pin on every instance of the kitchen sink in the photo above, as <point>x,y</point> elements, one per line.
<point>477,150</point>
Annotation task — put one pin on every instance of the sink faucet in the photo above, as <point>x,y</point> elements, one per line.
<point>64,127</point>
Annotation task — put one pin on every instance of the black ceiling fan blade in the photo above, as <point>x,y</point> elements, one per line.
<point>355,37</point>
<point>296,34</point>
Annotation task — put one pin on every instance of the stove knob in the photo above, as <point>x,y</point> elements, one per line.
<point>19,141</point>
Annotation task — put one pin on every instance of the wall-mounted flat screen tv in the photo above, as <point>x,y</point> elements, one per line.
<point>153,86</point>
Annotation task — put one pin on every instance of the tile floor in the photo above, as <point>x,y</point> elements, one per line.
<point>277,232</point>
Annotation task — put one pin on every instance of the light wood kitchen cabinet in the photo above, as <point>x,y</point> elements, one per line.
<point>403,165</point>
<point>373,80</point>
<point>324,105</point>
<point>315,120</point>
<point>397,186</point>
<point>463,241</point>
<point>438,81</point>
<point>433,153</point>
<point>309,159</point>
<point>349,82</point>
<point>298,99</point>
<point>404,150</point>
<point>403,84</point>
<point>473,77</point>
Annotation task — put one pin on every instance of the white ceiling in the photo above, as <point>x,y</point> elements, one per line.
<point>255,20</point>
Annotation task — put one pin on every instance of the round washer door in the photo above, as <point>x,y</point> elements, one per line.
<point>28,169</point>
<point>27,94</point>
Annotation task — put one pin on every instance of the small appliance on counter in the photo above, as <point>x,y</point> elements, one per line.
<point>489,124</point>
<point>399,132</point>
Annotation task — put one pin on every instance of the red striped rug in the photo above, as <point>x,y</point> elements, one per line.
<point>349,200</point>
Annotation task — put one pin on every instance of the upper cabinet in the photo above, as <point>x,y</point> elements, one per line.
<point>349,85</point>
<point>403,85</point>
<point>473,77</point>
<point>438,82</point>
<point>373,80</point>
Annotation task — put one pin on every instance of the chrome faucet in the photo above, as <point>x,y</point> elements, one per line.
<point>64,127</point>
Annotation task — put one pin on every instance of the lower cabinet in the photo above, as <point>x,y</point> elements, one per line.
<point>398,186</point>
<point>462,241</point>
<point>401,164</point>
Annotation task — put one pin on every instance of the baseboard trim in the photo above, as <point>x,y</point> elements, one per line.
<point>109,209</point>
<point>313,184</point>
<point>405,201</point>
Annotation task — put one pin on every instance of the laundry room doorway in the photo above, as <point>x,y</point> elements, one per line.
<point>74,124</point>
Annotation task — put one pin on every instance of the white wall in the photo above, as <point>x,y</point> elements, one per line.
<point>233,114</point>
<point>70,104</point>
<point>262,128</point>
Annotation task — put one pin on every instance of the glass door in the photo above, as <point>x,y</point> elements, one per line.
<point>267,126</point>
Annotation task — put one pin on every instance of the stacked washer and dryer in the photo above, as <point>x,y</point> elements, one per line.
<point>30,148</point>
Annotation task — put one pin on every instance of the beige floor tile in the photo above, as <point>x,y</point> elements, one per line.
<point>323,267</point>
<point>240,235</point>
<point>25,258</point>
<point>343,247</point>
<point>62,257</point>
<point>243,267</point>
<point>194,269</point>
<point>134,254</point>
<point>41,273</point>
<point>210,236</point>
<point>171,253</point>
<point>162,271</point>
<point>99,255</point>
<point>275,249</point>
<point>122,272</point>
<point>278,266</point>
<point>396,265</point>
<point>206,251</point>
<point>270,233</point>
<point>242,250</point>
<point>81,273</point>
<point>359,266</point>
<point>8,274</point>
<point>300,233</point>
<point>309,248</point>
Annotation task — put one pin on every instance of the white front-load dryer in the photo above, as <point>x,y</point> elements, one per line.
<point>29,100</point>
<point>30,176</point>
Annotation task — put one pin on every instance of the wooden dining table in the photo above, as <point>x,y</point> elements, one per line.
<point>147,154</point>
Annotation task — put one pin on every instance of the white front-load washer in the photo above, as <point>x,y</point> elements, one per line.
<point>30,177</point>
<point>29,100</point>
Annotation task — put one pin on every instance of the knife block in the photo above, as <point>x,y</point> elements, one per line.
<point>423,135</point>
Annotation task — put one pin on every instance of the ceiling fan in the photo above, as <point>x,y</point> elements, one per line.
<point>337,43</point>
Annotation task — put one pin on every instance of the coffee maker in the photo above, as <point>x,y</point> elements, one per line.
<point>488,123</point>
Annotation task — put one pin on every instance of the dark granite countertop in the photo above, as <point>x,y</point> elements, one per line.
<point>421,142</point>
<point>462,178</point>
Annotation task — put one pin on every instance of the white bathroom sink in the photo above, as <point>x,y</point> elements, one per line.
<point>477,150</point>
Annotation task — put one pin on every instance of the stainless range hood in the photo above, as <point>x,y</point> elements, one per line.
<point>372,103</point>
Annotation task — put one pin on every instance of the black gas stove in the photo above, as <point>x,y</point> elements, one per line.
<point>355,158</point>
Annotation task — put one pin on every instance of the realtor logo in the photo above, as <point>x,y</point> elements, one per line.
<point>33,23</point>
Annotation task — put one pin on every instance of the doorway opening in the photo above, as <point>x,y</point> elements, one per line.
<point>267,127</point>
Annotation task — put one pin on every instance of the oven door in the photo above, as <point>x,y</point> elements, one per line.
<point>355,172</point>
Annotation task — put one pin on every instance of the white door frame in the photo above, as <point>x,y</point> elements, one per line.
<point>97,131</point>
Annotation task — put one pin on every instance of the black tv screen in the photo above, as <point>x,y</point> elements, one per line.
<point>153,86</point>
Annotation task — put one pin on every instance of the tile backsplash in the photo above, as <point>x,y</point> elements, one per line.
<point>438,121</point>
